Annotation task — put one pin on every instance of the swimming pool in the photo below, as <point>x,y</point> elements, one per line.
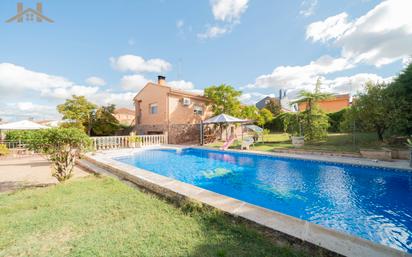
<point>372,203</point>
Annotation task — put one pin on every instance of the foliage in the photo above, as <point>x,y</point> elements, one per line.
<point>399,101</point>
<point>77,109</point>
<point>103,122</point>
<point>19,135</point>
<point>249,112</point>
<point>61,146</point>
<point>372,110</point>
<point>336,119</point>
<point>224,99</point>
<point>291,123</point>
<point>315,124</point>
<point>314,120</point>
<point>274,107</point>
<point>135,139</point>
<point>4,150</point>
<point>265,116</point>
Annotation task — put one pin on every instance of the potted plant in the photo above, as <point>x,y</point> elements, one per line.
<point>409,144</point>
<point>296,129</point>
<point>135,141</point>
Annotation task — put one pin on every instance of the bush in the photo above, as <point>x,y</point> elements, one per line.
<point>4,150</point>
<point>336,119</point>
<point>16,135</point>
<point>62,146</point>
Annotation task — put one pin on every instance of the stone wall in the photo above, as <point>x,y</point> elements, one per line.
<point>150,129</point>
<point>184,134</point>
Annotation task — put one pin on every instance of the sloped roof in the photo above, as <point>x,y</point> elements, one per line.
<point>124,111</point>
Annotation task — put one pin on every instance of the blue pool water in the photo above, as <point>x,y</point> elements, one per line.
<point>372,203</point>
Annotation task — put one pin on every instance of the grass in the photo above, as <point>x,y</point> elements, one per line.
<point>335,142</point>
<point>103,217</point>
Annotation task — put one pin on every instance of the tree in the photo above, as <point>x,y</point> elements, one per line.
<point>249,112</point>
<point>103,122</point>
<point>225,99</point>
<point>314,120</point>
<point>399,99</point>
<point>61,146</point>
<point>78,109</point>
<point>265,116</point>
<point>371,108</point>
<point>274,107</point>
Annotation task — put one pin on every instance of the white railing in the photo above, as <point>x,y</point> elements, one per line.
<point>115,142</point>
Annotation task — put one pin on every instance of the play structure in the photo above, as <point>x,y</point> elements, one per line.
<point>207,135</point>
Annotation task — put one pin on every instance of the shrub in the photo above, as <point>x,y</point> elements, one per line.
<point>62,146</point>
<point>4,150</point>
<point>16,135</point>
<point>336,119</point>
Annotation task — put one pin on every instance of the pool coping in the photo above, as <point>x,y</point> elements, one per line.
<point>287,229</point>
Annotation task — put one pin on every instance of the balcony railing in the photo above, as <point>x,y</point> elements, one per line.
<point>116,142</point>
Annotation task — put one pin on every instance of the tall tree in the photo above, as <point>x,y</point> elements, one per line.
<point>274,107</point>
<point>78,109</point>
<point>371,108</point>
<point>399,98</point>
<point>103,122</point>
<point>314,120</point>
<point>225,99</point>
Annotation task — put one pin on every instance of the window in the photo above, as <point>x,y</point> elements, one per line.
<point>198,110</point>
<point>153,108</point>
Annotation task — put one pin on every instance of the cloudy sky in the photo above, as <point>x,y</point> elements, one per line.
<point>107,50</point>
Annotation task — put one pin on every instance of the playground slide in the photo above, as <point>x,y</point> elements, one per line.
<point>227,144</point>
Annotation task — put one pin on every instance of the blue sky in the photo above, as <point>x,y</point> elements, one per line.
<point>107,50</point>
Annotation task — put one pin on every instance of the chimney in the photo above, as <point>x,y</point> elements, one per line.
<point>39,8</point>
<point>280,94</point>
<point>19,12</point>
<point>161,80</point>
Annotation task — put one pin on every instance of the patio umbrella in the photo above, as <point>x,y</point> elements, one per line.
<point>221,119</point>
<point>22,125</point>
<point>224,118</point>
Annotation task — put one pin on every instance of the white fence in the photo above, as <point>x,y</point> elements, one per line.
<point>103,143</point>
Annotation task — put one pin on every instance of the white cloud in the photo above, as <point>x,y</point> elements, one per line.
<point>15,79</point>
<point>67,92</point>
<point>300,76</point>
<point>213,32</point>
<point>25,110</point>
<point>180,24</point>
<point>308,7</point>
<point>181,84</point>
<point>119,99</point>
<point>136,63</point>
<point>381,36</point>
<point>331,28</point>
<point>227,13</point>
<point>228,10</point>
<point>95,81</point>
<point>133,82</point>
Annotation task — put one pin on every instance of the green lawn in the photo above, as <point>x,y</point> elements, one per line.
<point>103,217</point>
<point>336,142</point>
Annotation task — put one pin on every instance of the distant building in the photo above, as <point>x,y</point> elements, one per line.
<point>125,116</point>
<point>335,104</point>
<point>282,100</point>
<point>160,109</point>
